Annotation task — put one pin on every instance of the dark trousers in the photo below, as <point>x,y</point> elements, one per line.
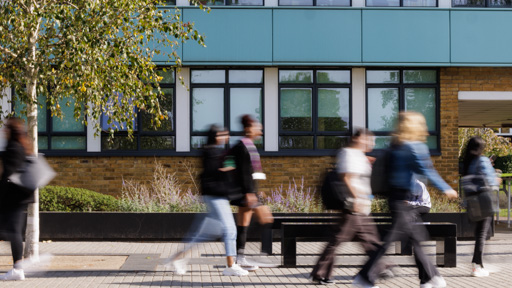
<point>481,230</point>
<point>12,221</point>
<point>402,228</point>
<point>351,226</point>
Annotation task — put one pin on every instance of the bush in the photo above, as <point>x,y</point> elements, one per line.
<point>504,163</point>
<point>69,199</point>
<point>296,199</point>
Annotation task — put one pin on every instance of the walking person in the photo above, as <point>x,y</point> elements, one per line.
<point>477,164</point>
<point>249,169</point>
<point>14,199</point>
<point>420,201</point>
<point>408,155</point>
<point>354,169</point>
<point>216,191</point>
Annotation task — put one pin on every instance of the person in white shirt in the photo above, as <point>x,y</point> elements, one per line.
<point>420,200</point>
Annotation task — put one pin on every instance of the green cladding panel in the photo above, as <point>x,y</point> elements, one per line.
<point>481,36</point>
<point>414,36</point>
<point>231,35</point>
<point>316,35</point>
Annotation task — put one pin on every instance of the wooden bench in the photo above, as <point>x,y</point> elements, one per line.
<point>444,233</point>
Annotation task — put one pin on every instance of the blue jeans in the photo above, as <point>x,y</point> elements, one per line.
<point>219,222</point>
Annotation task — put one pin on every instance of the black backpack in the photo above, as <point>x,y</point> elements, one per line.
<point>333,191</point>
<point>380,174</point>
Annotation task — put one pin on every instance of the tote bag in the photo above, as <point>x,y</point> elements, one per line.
<point>35,173</point>
<point>480,198</point>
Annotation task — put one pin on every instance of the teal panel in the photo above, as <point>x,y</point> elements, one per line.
<point>162,59</point>
<point>316,35</point>
<point>232,35</point>
<point>419,36</point>
<point>481,36</point>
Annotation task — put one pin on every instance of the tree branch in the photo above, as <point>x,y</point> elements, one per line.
<point>7,51</point>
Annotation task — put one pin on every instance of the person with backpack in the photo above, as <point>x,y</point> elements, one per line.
<point>407,156</point>
<point>353,170</point>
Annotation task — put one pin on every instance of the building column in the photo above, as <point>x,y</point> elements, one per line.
<point>271,109</point>
<point>183,111</point>
<point>358,98</point>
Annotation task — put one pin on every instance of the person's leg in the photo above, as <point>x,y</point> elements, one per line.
<point>221,210</point>
<point>344,232</point>
<point>481,230</point>
<point>367,232</point>
<point>243,221</point>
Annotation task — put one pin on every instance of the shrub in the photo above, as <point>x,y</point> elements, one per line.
<point>504,164</point>
<point>294,199</point>
<point>69,199</point>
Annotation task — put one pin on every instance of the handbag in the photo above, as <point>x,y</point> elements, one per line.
<point>480,199</point>
<point>34,173</point>
<point>335,192</point>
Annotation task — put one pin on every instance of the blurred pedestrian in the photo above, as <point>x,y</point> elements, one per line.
<point>408,155</point>
<point>216,190</point>
<point>420,200</point>
<point>249,169</point>
<point>13,198</point>
<point>354,169</point>
<point>477,164</point>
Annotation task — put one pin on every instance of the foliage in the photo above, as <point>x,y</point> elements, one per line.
<point>162,194</point>
<point>496,145</point>
<point>439,203</point>
<point>296,198</point>
<point>57,198</point>
<point>504,164</point>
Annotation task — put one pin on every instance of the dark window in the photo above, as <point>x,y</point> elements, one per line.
<point>232,2</point>
<point>221,97</point>
<point>314,109</point>
<point>342,3</point>
<point>394,90</point>
<point>482,3</point>
<point>401,3</point>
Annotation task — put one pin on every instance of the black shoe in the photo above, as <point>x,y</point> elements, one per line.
<point>323,281</point>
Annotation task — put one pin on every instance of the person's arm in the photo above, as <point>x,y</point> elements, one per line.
<point>243,168</point>
<point>13,159</point>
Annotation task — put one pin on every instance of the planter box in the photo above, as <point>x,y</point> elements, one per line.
<point>120,226</point>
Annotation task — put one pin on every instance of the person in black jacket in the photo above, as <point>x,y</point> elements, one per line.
<point>14,199</point>
<point>216,191</point>
<point>248,169</point>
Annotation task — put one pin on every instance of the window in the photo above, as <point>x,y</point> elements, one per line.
<point>401,3</point>
<point>391,91</point>
<point>55,133</point>
<point>232,2</point>
<point>343,3</point>
<point>482,3</point>
<point>145,137</point>
<point>221,97</point>
<point>314,109</point>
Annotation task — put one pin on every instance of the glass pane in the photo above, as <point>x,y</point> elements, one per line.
<point>382,142</point>
<point>68,143</point>
<point>333,76</point>
<point>344,3</point>
<point>245,76</point>
<point>197,142</point>
<point>41,113</point>
<point>296,76</point>
<point>212,2</point>
<point>42,143</point>
<point>207,108</point>
<point>382,108</point>
<point>422,100</point>
<point>208,76</point>
<point>167,104</point>
<point>245,2</point>
<point>420,76</point>
<point>468,3</point>
<point>116,125</point>
<point>244,101</point>
<point>233,140</point>
<point>296,109</point>
<point>68,122</point>
<point>170,2</point>
<point>333,109</point>
<point>296,2</point>
<point>420,3</point>
<point>157,143</point>
<point>500,3</point>
<point>382,3</point>
<point>296,142</point>
<point>373,76</point>
<point>167,76</point>
<point>332,142</point>
<point>432,142</point>
<point>118,143</point>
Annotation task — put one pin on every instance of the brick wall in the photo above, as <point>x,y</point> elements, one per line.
<point>105,174</point>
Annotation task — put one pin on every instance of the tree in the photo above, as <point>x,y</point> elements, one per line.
<point>93,55</point>
<point>495,145</point>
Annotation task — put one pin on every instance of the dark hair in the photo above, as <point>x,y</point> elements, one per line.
<point>360,132</point>
<point>212,134</point>
<point>247,121</point>
<point>474,149</point>
<point>18,132</point>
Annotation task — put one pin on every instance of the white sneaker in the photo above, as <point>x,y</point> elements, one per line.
<point>246,265</point>
<point>13,275</point>
<point>359,282</point>
<point>435,282</point>
<point>235,270</point>
<point>180,266</point>
<point>478,271</point>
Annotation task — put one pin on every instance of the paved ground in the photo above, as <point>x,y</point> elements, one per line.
<point>123,264</point>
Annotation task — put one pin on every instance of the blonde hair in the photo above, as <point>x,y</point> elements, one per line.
<point>411,126</point>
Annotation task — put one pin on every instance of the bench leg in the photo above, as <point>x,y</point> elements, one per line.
<point>406,247</point>
<point>266,241</point>
<point>289,251</point>
<point>446,252</point>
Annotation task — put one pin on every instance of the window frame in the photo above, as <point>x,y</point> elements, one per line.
<point>315,4</point>
<point>227,100</point>
<point>314,112</point>
<point>402,5</point>
<point>401,99</point>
